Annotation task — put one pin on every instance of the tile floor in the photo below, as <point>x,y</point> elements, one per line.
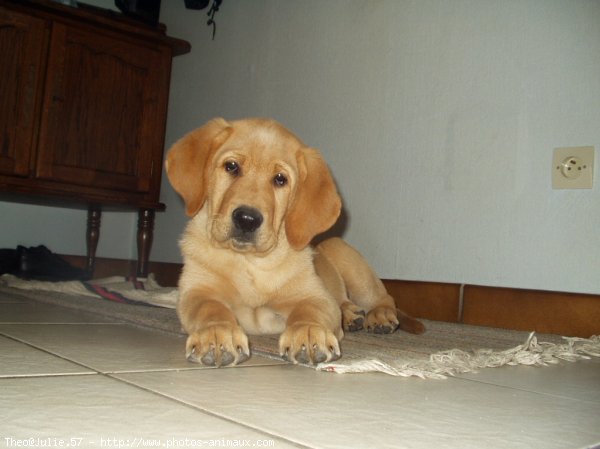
<point>72,379</point>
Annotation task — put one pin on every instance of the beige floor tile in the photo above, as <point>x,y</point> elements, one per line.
<point>97,411</point>
<point>19,359</point>
<point>375,410</point>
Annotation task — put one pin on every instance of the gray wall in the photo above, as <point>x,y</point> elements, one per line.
<point>438,119</point>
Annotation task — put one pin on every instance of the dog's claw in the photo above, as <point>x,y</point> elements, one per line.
<point>215,347</point>
<point>210,359</point>
<point>308,344</point>
<point>242,356</point>
<point>191,356</point>
<point>318,356</point>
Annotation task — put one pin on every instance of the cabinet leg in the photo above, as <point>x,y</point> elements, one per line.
<point>145,233</point>
<point>92,235</point>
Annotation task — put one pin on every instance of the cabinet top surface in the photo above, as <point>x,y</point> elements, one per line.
<point>101,18</point>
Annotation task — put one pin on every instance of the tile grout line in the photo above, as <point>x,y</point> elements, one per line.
<point>523,389</point>
<point>46,351</point>
<point>37,376</point>
<point>204,410</point>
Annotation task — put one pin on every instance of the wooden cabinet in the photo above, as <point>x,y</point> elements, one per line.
<point>83,102</point>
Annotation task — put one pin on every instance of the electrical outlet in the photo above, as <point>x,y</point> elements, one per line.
<point>573,168</point>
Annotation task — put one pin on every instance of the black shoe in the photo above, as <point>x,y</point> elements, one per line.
<point>9,261</point>
<point>41,264</point>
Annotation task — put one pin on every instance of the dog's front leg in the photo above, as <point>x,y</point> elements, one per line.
<point>312,333</point>
<point>215,337</point>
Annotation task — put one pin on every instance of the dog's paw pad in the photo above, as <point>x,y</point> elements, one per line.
<point>382,320</point>
<point>382,329</point>
<point>353,317</point>
<point>302,356</point>
<point>209,358</point>
<point>227,358</point>
<point>355,325</point>
<point>319,356</point>
<point>219,358</point>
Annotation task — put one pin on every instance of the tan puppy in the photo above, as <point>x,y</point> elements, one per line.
<point>257,197</point>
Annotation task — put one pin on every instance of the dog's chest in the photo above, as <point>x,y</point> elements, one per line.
<point>258,286</point>
<point>260,282</point>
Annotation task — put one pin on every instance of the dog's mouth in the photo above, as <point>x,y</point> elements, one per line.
<point>251,244</point>
<point>227,236</point>
<point>243,241</point>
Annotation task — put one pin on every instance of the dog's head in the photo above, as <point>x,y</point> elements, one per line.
<point>258,181</point>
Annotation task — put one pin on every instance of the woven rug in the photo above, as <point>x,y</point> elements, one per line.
<point>445,349</point>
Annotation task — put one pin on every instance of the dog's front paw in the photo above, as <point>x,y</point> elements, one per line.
<point>353,317</point>
<point>218,345</point>
<point>308,343</point>
<point>382,320</point>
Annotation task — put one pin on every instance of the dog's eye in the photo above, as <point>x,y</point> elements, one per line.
<point>232,168</point>
<point>280,180</point>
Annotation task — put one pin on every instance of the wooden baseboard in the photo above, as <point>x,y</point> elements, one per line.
<point>529,310</point>
<point>570,314</point>
<point>560,313</point>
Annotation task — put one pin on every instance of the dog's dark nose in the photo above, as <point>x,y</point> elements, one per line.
<point>247,219</point>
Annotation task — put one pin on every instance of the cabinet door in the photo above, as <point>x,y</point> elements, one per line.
<point>22,44</point>
<point>103,116</point>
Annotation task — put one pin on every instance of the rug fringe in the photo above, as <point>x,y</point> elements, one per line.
<point>456,361</point>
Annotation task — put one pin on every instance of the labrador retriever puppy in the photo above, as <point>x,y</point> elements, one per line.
<point>257,196</point>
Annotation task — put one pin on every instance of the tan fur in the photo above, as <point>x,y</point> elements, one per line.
<point>267,280</point>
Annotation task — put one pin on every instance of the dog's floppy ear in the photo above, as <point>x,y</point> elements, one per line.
<point>316,205</point>
<point>188,158</point>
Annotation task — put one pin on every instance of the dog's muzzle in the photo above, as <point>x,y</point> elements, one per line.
<point>246,220</point>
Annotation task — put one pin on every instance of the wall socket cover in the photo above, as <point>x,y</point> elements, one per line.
<point>573,168</point>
